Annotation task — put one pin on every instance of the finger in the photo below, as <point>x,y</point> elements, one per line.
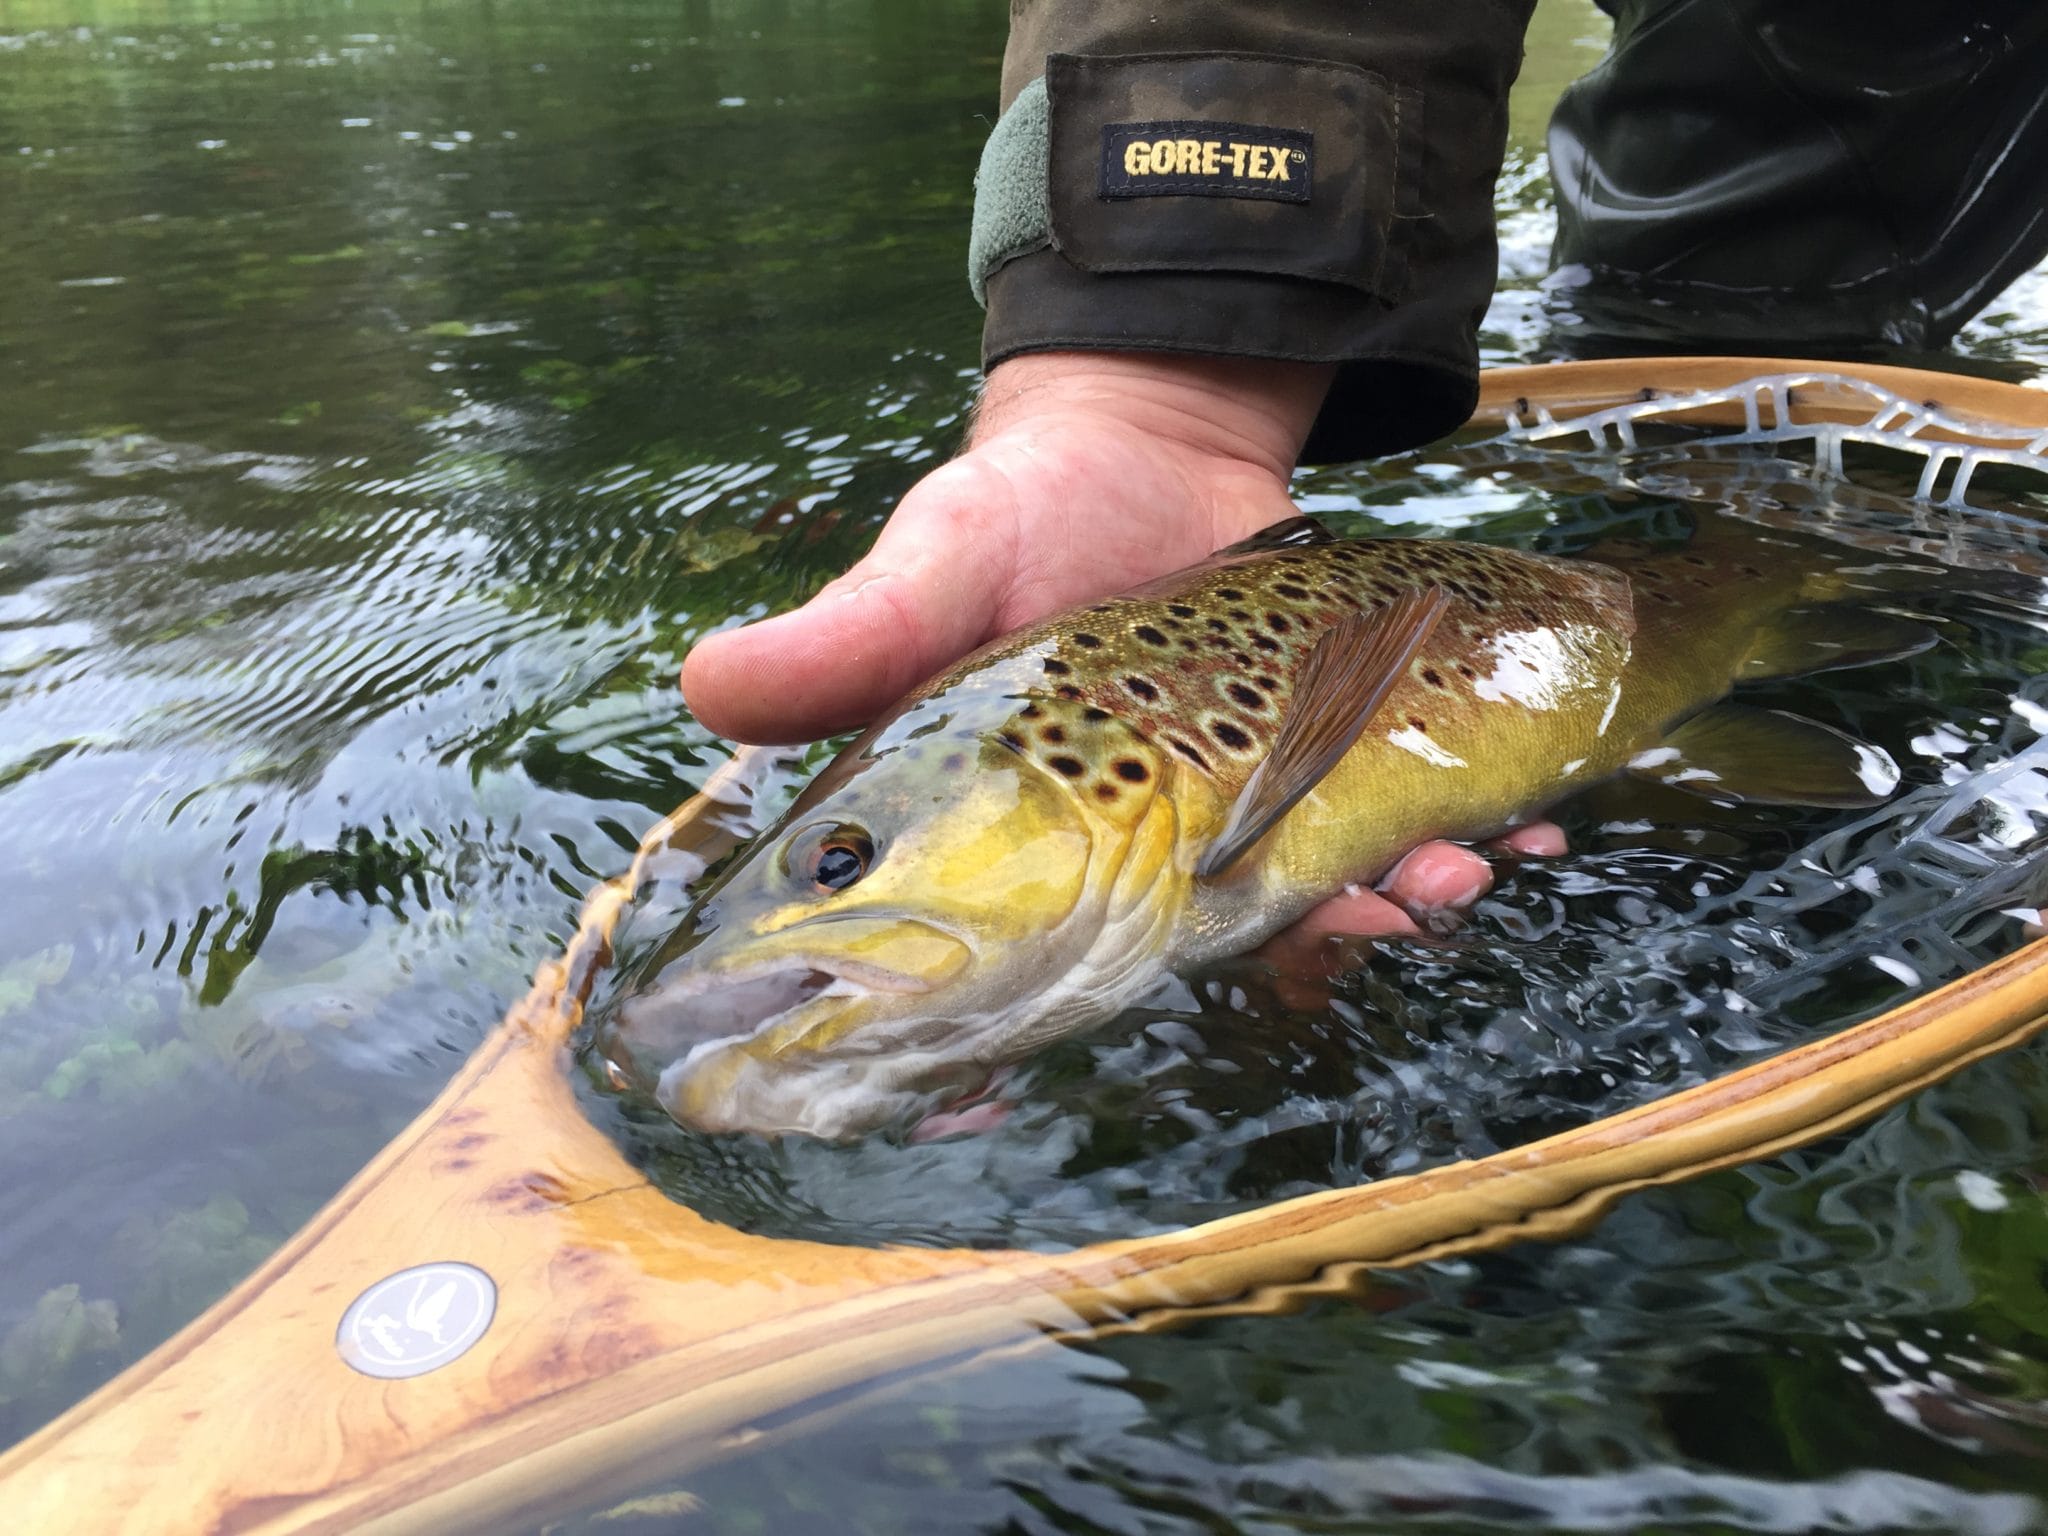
<point>976,1119</point>
<point>928,592</point>
<point>1354,911</point>
<point>1438,875</point>
<point>1538,840</point>
<point>1434,876</point>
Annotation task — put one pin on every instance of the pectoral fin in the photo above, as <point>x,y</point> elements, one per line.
<point>1733,752</point>
<point>1345,678</point>
<point>1820,639</point>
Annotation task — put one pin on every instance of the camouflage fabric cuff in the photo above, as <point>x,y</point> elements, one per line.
<point>1012,214</point>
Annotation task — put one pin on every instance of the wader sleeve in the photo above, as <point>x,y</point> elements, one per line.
<point>1821,175</point>
<point>1308,180</point>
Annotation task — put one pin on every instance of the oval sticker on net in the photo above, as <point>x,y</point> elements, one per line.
<point>417,1320</point>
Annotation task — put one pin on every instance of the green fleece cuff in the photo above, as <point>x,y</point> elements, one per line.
<point>1012,214</point>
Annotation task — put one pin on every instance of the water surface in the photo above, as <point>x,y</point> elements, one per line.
<point>390,397</point>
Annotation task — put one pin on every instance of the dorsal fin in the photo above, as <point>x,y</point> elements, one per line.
<point>1352,669</point>
<point>1288,533</point>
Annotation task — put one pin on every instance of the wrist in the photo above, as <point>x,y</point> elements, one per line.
<point>1254,411</point>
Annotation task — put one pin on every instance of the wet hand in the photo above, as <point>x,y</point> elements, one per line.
<point>1084,474</point>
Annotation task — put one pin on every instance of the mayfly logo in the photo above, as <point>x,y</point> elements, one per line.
<point>1207,160</point>
<point>417,1320</point>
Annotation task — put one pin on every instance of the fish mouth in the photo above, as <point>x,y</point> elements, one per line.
<point>742,1034</point>
<point>680,1016</point>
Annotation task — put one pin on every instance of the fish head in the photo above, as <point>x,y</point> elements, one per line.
<point>906,926</point>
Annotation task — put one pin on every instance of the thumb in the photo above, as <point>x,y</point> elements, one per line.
<point>926,594</point>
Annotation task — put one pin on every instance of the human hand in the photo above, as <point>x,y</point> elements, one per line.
<point>1084,474</point>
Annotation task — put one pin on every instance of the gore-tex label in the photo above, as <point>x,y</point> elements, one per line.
<point>1207,160</point>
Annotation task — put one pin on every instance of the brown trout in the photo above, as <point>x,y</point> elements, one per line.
<point>1031,840</point>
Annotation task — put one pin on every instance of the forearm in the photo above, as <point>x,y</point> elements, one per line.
<point>1377,258</point>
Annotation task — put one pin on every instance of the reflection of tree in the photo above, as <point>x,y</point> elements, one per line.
<point>602,261</point>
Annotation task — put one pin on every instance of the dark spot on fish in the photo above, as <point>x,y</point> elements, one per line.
<point>1192,644</point>
<point>1011,740</point>
<point>1431,676</point>
<point>1291,592</point>
<point>1091,713</point>
<point>955,762</point>
<point>1249,697</point>
<point>1242,658</point>
<point>1149,635</point>
<point>1052,735</point>
<point>1187,752</point>
<point>1131,770</point>
<point>1069,691</point>
<point>1265,642</point>
<point>1101,607</point>
<point>1057,667</point>
<point>1693,559</point>
<point>1230,594</point>
<point>1219,626</point>
<point>1072,767</point>
<point>1180,610</point>
<point>1465,671</point>
<point>1144,690</point>
<point>1420,725</point>
<point>1532,616</point>
<point>1277,622</point>
<point>1241,615</point>
<point>1229,735</point>
<point>1105,791</point>
<point>1267,681</point>
<point>1748,570</point>
<point>1086,641</point>
<point>1030,711</point>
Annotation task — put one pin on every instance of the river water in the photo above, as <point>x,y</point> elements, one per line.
<point>389,396</point>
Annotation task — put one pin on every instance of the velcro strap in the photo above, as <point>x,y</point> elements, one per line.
<point>1010,213</point>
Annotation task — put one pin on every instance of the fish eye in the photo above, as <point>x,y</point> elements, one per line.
<point>832,858</point>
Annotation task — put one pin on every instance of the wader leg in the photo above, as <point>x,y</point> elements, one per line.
<point>1840,175</point>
